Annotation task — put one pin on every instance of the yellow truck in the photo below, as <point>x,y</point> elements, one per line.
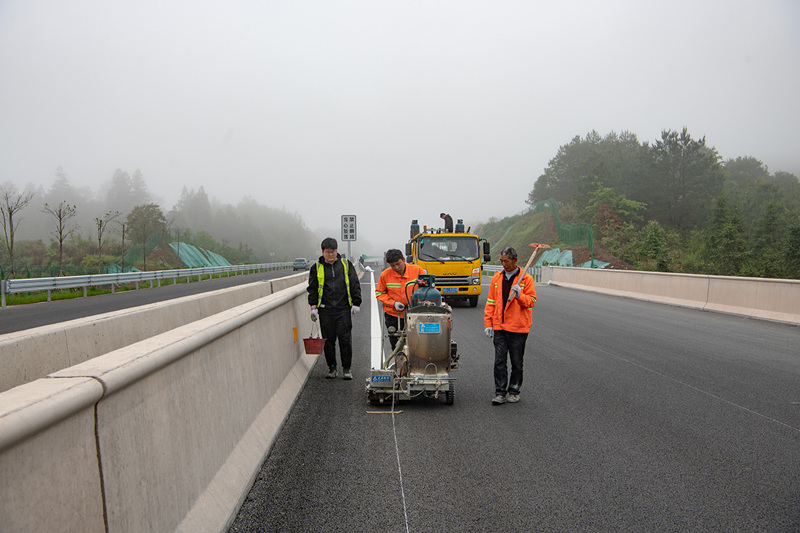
<point>455,258</point>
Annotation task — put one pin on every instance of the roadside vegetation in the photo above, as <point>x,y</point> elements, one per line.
<point>670,206</point>
<point>72,231</point>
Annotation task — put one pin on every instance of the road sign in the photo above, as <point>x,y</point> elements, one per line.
<point>348,227</point>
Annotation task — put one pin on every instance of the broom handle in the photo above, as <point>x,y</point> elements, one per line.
<point>522,272</point>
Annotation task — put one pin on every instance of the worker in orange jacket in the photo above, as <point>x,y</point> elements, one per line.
<point>394,288</point>
<point>508,317</point>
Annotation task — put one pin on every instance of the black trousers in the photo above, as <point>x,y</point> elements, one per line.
<point>337,325</point>
<point>391,322</point>
<point>508,345</point>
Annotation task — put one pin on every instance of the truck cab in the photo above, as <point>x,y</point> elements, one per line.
<point>455,258</point>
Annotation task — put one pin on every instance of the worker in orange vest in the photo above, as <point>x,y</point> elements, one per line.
<point>507,319</point>
<point>394,288</point>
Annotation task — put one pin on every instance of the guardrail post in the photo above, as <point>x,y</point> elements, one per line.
<point>3,292</point>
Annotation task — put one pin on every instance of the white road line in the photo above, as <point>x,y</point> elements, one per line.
<point>376,359</point>
<point>376,333</point>
<point>399,469</point>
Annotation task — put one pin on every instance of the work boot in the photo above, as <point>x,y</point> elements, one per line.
<point>499,399</point>
<point>332,373</point>
<point>513,397</point>
<point>347,374</point>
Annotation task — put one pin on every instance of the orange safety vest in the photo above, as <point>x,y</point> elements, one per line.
<point>391,287</point>
<point>518,312</point>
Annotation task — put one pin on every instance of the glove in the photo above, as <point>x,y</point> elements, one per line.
<point>314,314</point>
<point>399,306</point>
<point>489,332</point>
<point>355,309</point>
<point>515,291</point>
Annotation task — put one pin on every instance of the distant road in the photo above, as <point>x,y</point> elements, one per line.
<point>21,317</point>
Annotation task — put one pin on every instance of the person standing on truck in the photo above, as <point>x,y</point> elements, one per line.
<point>334,294</point>
<point>508,317</point>
<point>394,288</point>
<point>448,222</point>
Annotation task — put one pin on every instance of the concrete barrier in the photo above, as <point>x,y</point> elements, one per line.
<point>165,434</point>
<point>768,299</point>
<point>36,352</point>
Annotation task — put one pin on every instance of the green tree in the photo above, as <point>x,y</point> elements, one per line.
<point>144,221</point>
<point>31,252</point>
<point>119,194</point>
<point>688,176</point>
<point>62,214</point>
<point>138,190</point>
<point>193,210</point>
<point>768,239</point>
<point>791,252</point>
<point>785,180</point>
<point>725,245</point>
<point>652,247</point>
<point>743,169</point>
<point>607,209</point>
<point>617,160</point>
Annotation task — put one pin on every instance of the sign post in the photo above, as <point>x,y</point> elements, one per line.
<point>348,231</point>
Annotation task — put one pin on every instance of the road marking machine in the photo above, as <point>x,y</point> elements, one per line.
<point>424,355</point>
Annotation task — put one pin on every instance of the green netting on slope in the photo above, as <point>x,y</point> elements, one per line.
<point>216,259</point>
<point>555,257</point>
<point>593,264</point>
<point>116,269</point>
<point>572,234</point>
<point>194,257</point>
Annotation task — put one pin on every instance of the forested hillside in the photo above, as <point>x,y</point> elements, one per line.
<point>671,206</point>
<point>65,226</point>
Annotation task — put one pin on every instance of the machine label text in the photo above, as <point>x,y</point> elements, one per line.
<point>430,327</point>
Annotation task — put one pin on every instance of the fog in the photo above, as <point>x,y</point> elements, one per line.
<point>391,111</point>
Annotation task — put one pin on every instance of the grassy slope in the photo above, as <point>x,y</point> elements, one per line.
<point>519,231</point>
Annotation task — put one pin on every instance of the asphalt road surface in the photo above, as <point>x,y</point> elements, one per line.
<point>634,417</point>
<point>21,317</point>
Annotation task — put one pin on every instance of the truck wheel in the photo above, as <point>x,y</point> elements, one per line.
<point>473,301</point>
<point>450,395</point>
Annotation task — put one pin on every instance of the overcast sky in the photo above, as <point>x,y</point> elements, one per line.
<point>386,110</point>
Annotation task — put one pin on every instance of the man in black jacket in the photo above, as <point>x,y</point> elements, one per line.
<point>334,294</point>
<point>448,222</point>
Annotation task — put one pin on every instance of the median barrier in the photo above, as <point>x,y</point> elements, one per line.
<point>34,353</point>
<point>165,434</point>
<point>778,301</point>
<point>48,457</point>
<point>769,299</point>
<point>732,295</point>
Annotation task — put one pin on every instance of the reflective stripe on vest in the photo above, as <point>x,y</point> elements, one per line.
<point>321,281</point>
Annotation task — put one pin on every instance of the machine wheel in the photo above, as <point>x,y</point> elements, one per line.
<point>450,395</point>
<point>473,301</point>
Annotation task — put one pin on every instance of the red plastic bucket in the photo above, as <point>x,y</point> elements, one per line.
<point>314,345</point>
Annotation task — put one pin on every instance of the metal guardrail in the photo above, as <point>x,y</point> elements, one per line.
<point>14,286</point>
